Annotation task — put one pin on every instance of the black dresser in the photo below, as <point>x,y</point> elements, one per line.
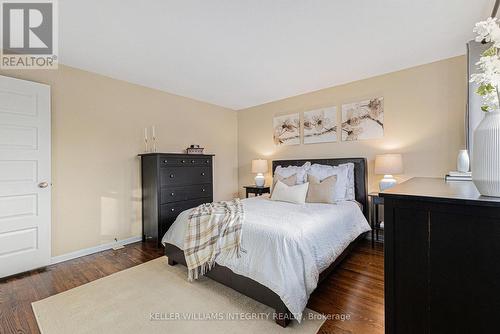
<point>442,258</point>
<point>172,183</point>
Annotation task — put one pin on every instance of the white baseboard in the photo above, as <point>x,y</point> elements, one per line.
<point>92,250</point>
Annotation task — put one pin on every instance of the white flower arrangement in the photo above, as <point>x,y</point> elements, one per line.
<point>489,64</point>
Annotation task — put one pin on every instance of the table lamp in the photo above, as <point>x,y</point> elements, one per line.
<point>260,167</point>
<point>388,165</point>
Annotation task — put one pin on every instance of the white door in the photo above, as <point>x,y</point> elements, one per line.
<point>24,175</point>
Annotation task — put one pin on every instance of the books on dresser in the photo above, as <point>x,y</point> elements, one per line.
<point>458,176</point>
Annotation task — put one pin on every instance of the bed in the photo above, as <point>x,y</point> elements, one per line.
<point>287,249</point>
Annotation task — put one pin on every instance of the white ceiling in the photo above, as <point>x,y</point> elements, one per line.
<point>238,54</point>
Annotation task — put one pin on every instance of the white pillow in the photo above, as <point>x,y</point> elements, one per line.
<point>321,172</point>
<point>350,193</point>
<point>294,194</point>
<point>301,172</point>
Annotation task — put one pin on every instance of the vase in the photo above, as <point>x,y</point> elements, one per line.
<point>486,155</point>
<point>463,161</point>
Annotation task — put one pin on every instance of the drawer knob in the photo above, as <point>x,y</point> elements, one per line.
<point>165,161</point>
<point>172,194</point>
<point>203,174</point>
<point>203,190</point>
<point>171,176</point>
<point>172,209</point>
<point>192,161</point>
<point>207,161</point>
<point>183,161</point>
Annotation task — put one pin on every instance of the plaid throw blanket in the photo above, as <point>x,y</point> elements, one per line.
<point>212,228</point>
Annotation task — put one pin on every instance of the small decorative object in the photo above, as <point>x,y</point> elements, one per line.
<point>154,148</point>
<point>287,129</point>
<point>463,161</point>
<point>146,148</point>
<point>260,167</point>
<point>320,126</point>
<point>363,120</point>
<point>194,149</point>
<point>486,147</point>
<point>388,165</point>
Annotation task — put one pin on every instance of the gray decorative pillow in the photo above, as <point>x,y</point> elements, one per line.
<point>289,181</point>
<point>321,191</point>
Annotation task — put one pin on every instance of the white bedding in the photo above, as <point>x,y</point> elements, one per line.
<point>285,246</point>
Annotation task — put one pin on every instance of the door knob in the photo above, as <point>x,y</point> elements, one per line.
<point>43,184</point>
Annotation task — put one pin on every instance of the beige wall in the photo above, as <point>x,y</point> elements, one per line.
<point>98,122</point>
<point>424,120</point>
<point>97,132</point>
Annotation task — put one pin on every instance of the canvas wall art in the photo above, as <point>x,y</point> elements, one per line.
<point>320,126</point>
<point>363,120</point>
<point>286,129</point>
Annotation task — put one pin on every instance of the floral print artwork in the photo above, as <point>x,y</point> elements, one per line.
<point>286,129</point>
<point>320,126</point>
<point>363,120</point>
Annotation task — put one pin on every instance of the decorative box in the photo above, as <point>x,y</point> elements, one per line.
<point>194,149</point>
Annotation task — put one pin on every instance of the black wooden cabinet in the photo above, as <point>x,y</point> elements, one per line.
<point>172,183</point>
<point>442,258</point>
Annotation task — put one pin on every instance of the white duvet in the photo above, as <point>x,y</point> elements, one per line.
<point>285,246</point>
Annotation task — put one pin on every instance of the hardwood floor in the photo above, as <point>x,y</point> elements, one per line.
<point>356,289</point>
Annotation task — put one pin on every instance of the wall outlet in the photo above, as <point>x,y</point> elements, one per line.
<point>117,247</point>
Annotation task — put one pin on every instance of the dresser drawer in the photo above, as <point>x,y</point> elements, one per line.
<point>168,212</point>
<point>179,176</point>
<point>176,194</point>
<point>166,161</point>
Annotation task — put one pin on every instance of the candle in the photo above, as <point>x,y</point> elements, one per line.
<point>145,133</point>
<point>154,136</point>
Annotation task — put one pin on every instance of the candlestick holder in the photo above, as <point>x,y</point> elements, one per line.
<point>154,148</point>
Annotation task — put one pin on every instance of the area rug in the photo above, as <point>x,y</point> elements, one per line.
<point>157,298</point>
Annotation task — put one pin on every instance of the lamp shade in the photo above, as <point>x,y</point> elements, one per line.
<point>259,166</point>
<point>388,164</point>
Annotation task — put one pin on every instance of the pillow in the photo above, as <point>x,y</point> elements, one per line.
<point>321,191</point>
<point>321,172</point>
<point>301,172</point>
<point>294,194</point>
<point>351,192</point>
<point>289,181</point>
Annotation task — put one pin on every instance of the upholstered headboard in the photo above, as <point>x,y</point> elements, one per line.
<point>360,174</point>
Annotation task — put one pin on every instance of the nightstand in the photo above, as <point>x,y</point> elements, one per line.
<point>375,202</point>
<point>258,191</point>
